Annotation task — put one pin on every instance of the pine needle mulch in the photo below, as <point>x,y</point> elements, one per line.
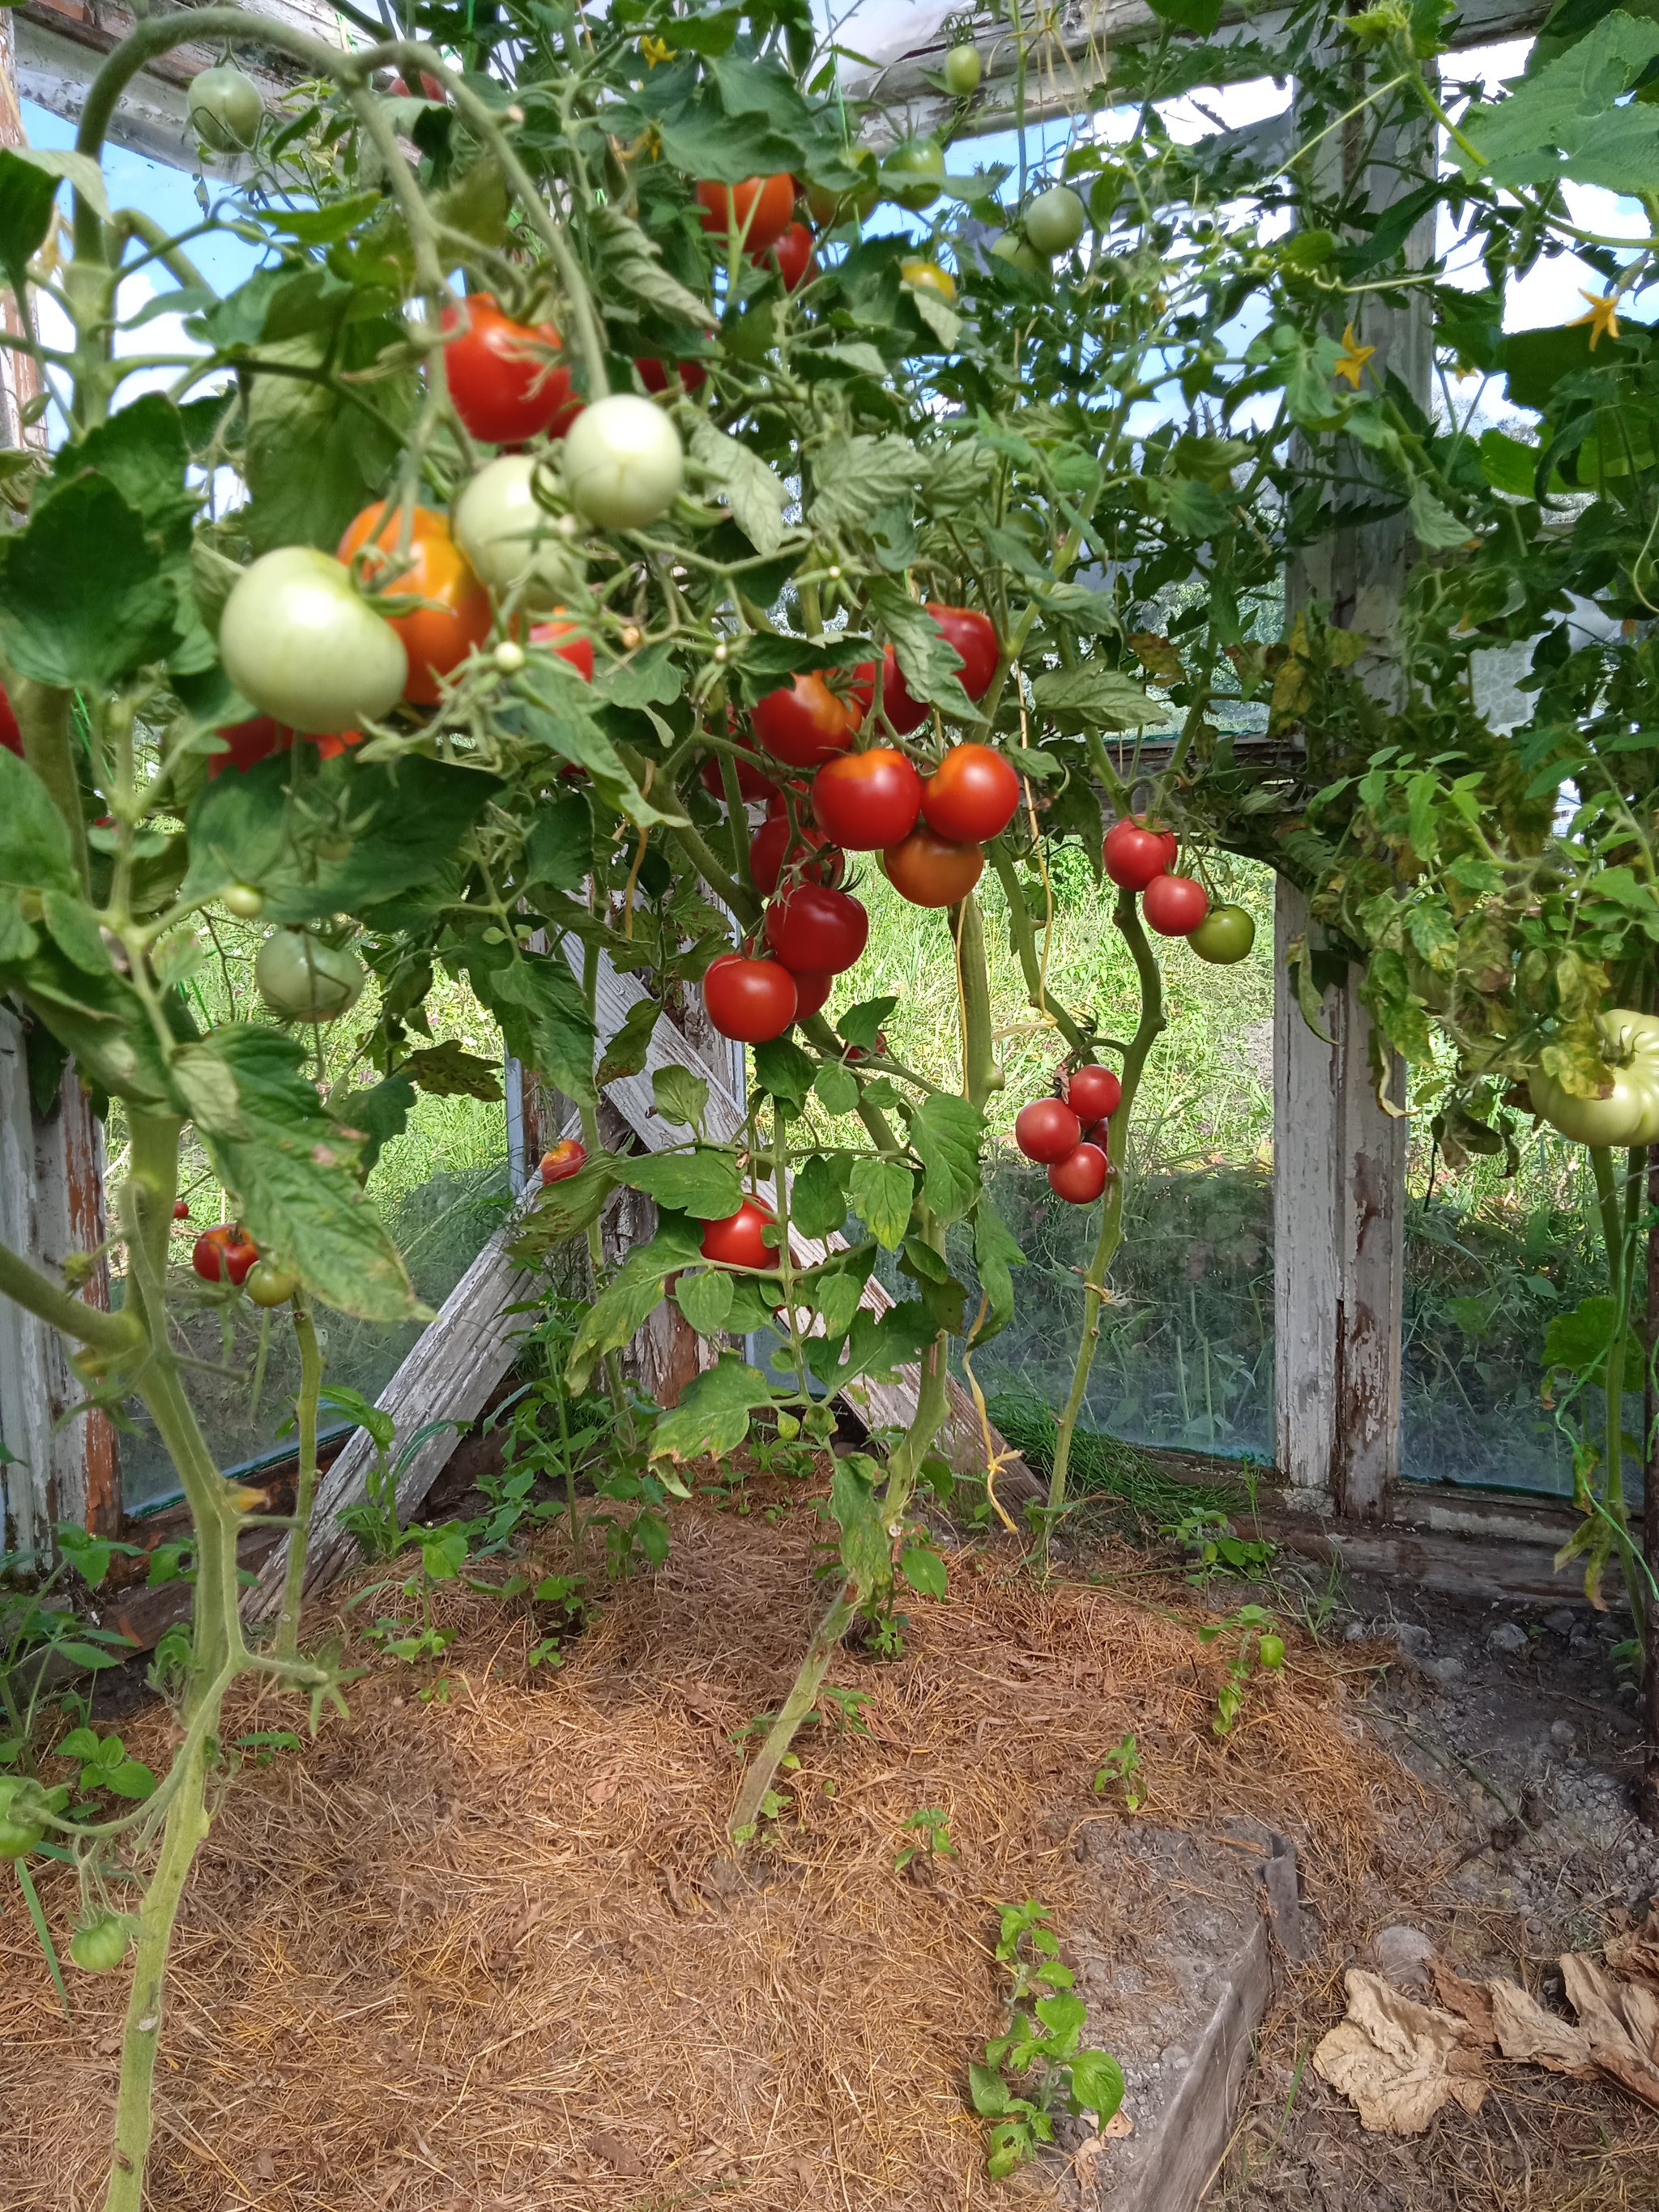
<point>477,1956</point>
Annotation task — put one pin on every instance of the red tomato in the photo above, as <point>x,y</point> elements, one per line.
<point>567,641</point>
<point>812,992</point>
<point>809,927</point>
<point>223,1255</point>
<point>502,379</point>
<point>973,794</point>
<point>866,800</point>
<point>251,742</point>
<point>1092,1093</point>
<point>974,636</point>
<point>657,375</point>
<point>181,1209</point>
<point>1080,1177</point>
<point>770,849</point>
<point>1175,905</point>
<point>861,691</point>
<point>748,1000</point>
<point>805,725</point>
<point>737,1242</point>
<point>1047,1130</point>
<point>430,87</point>
<point>10,736</point>
<point>930,871</point>
<point>793,252</point>
<point>1133,853</point>
<point>437,638</point>
<point>567,1158</point>
<point>904,713</point>
<point>751,784</point>
<point>759,210</point>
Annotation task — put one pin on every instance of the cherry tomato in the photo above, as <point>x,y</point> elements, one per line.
<point>805,725</point>
<point>1175,905</point>
<point>770,851</point>
<point>10,736</point>
<point>303,978</point>
<point>657,375</point>
<point>809,927</point>
<point>181,1209</point>
<point>269,1286</point>
<point>437,638</point>
<point>1225,935</point>
<point>1080,1177</point>
<point>1134,855</point>
<point>973,794</point>
<point>737,1242</point>
<point>624,466</point>
<point>867,800</point>
<point>930,870</point>
<point>302,644</point>
<point>793,253</point>
<point>914,172</point>
<point>1093,1093</point>
<point>1047,1130</point>
<point>567,641</point>
<point>1055,221</point>
<point>974,639</point>
<point>748,1000</point>
<point>759,210</point>
<point>963,70</point>
<point>751,784</point>
<point>504,378</point>
<point>811,994</point>
<point>1101,1135</point>
<point>224,1254</point>
<point>567,1158</point>
<point>430,88</point>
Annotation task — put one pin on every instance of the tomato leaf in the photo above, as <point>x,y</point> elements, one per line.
<point>837,1088</point>
<point>566,1209</point>
<point>1096,698</point>
<point>705,1298</point>
<point>83,594</point>
<point>756,495</point>
<point>712,1414</point>
<point>703,1184</point>
<point>854,1503</point>
<point>634,264</point>
<point>925,1570</point>
<point>631,1297</point>
<point>34,844</point>
<point>862,1025</point>
<point>543,1022</point>
<point>857,478</point>
<point>679,1095</point>
<point>818,1197</point>
<point>449,1071</point>
<point>783,1071</point>
<point>946,1134</point>
<point>625,1053</point>
<point>313,457</point>
<point>882,1193</point>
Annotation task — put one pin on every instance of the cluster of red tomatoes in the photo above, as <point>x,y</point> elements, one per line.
<point>227,1254</point>
<point>930,831</point>
<point>1067,1134</point>
<point>1141,859</point>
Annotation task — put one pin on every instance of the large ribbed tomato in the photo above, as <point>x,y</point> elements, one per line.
<point>973,794</point>
<point>771,849</point>
<point>759,210</point>
<point>748,1000</point>
<point>437,637</point>
<point>1629,1113</point>
<point>866,800</point>
<point>1133,853</point>
<point>809,927</point>
<point>1080,1177</point>
<point>1047,1130</point>
<point>739,1240</point>
<point>1092,1093</point>
<point>805,724</point>
<point>505,377</point>
<point>930,870</point>
<point>1175,905</point>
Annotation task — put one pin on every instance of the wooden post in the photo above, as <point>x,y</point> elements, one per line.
<point>1339,1154</point>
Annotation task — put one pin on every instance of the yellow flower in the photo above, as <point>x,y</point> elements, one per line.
<point>1351,360</point>
<point>655,51</point>
<point>1603,316</point>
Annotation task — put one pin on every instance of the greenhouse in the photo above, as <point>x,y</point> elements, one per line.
<point>830,1108</point>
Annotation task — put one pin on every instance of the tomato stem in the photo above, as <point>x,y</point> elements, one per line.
<point>311,1379</point>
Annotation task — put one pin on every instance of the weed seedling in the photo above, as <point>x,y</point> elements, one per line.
<point>933,1845</point>
<point>1046,2019</point>
<point>1260,1646</point>
<point>1121,1766</point>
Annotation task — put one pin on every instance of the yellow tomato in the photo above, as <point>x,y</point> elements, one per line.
<point>927,275</point>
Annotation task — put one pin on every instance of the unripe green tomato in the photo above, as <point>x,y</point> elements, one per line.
<point>302,644</point>
<point>510,657</point>
<point>20,1830</point>
<point>963,71</point>
<point>510,537</point>
<point>245,900</point>
<point>1055,221</point>
<point>1629,1115</point>
<point>224,108</point>
<point>828,208</point>
<point>913,173</point>
<point>1012,248</point>
<point>302,979</point>
<point>1225,935</point>
<point>267,1284</point>
<point>101,1944</point>
<point>623,463</point>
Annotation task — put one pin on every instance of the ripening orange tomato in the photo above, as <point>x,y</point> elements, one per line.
<point>437,637</point>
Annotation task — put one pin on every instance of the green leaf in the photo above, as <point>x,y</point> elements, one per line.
<point>1203,16</point>
<point>987,2089</point>
<point>29,177</point>
<point>757,497</point>
<point>131,1778</point>
<point>1434,526</point>
<point>381,1111</point>
<point>997,1252</point>
<point>878,1345</point>
<point>783,1070</point>
<point>558,712</point>
<point>1065,2018</point>
<point>295,1177</point>
<point>450,1070</point>
<point>315,458</point>
<point>559,850</point>
<point>925,1570</point>
<point>536,999</point>
<point>856,478</point>
<point>837,1088</point>
<point>861,1025</point>
<point>633,264</point>
<point>34,844</point>
<point>83,594</point>
<point>928,665</point>
<point>705,1298</point>
<point>724,149</point>
<point>713,1415</point>
<point>1096,2083</point>
<point>567,1209</point>
<point>818,1199</point>
<point>1581,1340</point>
<point>626,1053</point>
<point>946,1134</point>
<point>882,1193</point>
<point>631,1297</point>
<point>680,1097</point>
<point>1096,698</point>
<point>855,1504</point>
<point>703,1183</point>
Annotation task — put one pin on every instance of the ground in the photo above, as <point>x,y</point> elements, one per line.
<point>478,1948</point>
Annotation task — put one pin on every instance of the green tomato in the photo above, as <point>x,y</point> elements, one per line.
<point>624,462</point>
<point>1225,935</point>
<point>267,1284</point>
<point>20,1830</point>
<point>1055,221</point>
<point>224,108</point>
<point>1013,249</point>
<point>913,173</point>
<point>963,71</point>
<point>246,902</point>
<point>1629,1114</point>
<point>511,539</point>
<point>302,644</point>
<point>100,1944</point>
<point>303,979</point>
<point>828,208</point>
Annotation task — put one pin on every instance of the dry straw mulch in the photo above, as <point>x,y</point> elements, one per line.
<point>470,1956</point>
